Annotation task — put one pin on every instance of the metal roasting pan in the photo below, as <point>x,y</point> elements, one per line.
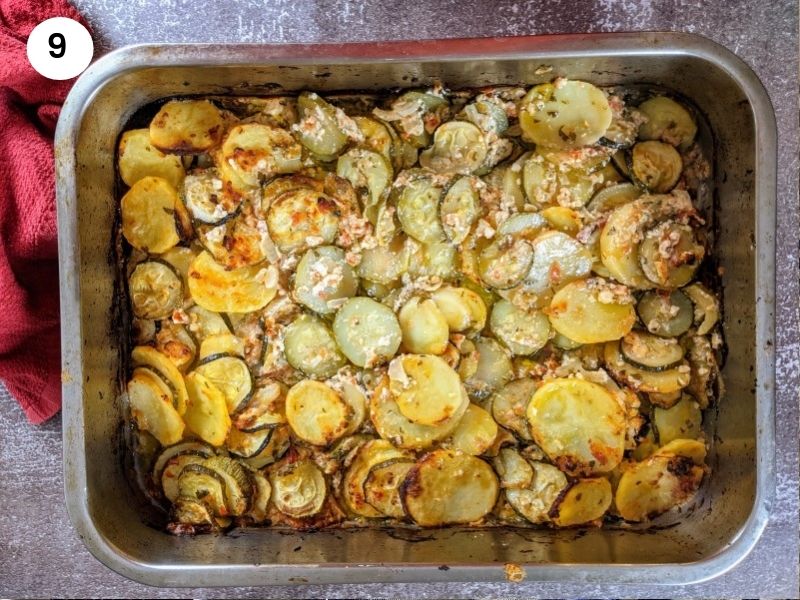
<point>705,542</point>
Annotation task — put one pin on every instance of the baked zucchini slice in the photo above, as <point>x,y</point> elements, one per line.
<point>584,501</point>
<point>201,484</point>
<point>641,380</point>
<point>256,151</point>
<point>302,217</point>
<point>703,367</point>
<point>418,208</point>
<point>148,215</point>
<point>262,492</point>
<point>316,413</point>
<point>557,259</point>
<point>424,327</point>
<point>475,433</point>
<point>613,196</point>
<point>204,323</point>
<point>382,486</point>
<point>523,332</point>
<point>415,115</point>
<point>138,158</point>
<point>447,487</point>
<point>155,289</point>
<point>169,475</point>
<point>370,454</point>
<point>265,409</point>
<point>513,470</point>
<point>535,501</point>
<point>510,405</point>
<point>243,444</point>
<point>459,209</point>
<point>231,375</point>
<point>147,356</point>
<point>681,421</point>
<point>386,263</point>
<point>392,425</point>
<point>463,309</point>
<point>367,332</point>
<point>187,127</point>
<point>298,488</point>
<point>241,290</point>
<point>650,352</point>
<point>206,411</point>
<point>667,314</point>
<point>667,121</point>
<point>505,262</point>
<point>488,114</point>
<point>207,199</point>
<point>323,279</point>
<point>592,310</point>
<point>223,343</point>
<point>579,424</point>
<point>167,454</point>
<point>564,114</point>
<point>323,128</point>
<point>238,485</point>
<point>309,346</point>
<point>486,369</point>
<point>655,166</point>
<point>670,254</point>
<point>278,445</point>
<point>432,260</point>
<point>238,242</point>
<point>659,483</point>
<point>370,173</point>
<point>706,307</point>
<point>458,147</point>
<point>378,137</point>
<point>527,225</point>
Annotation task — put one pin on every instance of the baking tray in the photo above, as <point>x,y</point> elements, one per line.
<point>733,510</point>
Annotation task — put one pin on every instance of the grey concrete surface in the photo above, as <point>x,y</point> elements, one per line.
<point>41,555</point>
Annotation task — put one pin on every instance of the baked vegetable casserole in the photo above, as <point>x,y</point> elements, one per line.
<point>489,307</point>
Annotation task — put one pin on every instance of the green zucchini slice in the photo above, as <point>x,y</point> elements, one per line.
<point>505,262</point>
<point>612,197</point>
<point>370,174</point>
<point>168,482</point>
<point>206,485</point>
<point>413,114</point>
<point>524,332</point>
<point>651,352</point>
<point>323,279</point>
<point>491,370</point>
<point>534,501</point>
<point>706,307</point>
<point>208,200</point>
<point>262,492</point>
<point>509,406</point>
<point>367,332</point>
<point>459,209</point>
<point>369,455</point>
<point>278,445</point>
<point>670,254</point>
<point>298,488</point>
<point>458,147</point>
<point>418,209</point>
<point>265,409</point>
<point>238,485</point>
<point>248,444</point>
<point>487,114</point>
<point>309,346</point>
<point>666,314</point>
<point>323,128</point>
<point>382,486</point>
<point>191,511</point>
<point>231,375</point>
<point>514,471</point>
<point>661,382</point>
<point>448,487</point>
<point>656,166</point>
<point>667,121</point>
<point>156,290</point>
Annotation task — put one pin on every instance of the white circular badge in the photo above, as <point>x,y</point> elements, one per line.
<point>60,48</point>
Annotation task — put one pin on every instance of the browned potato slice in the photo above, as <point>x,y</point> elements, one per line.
<point>316,413</point>
<point>427,390</point>
<point>148,215</point>
<point>585,501</point>
<point>138,158</point>
<point>476,431</point>
<point>187,127</point>
<point>301,216</point>
<point>206,412</point>
<point>152,409</point>
<point>254,151</point>
<point>592,310</point>
<point>579,424</point>
<point>449,487</point>
<point>236,291</point>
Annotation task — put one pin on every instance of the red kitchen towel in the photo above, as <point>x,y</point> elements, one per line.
<point>30,363</point>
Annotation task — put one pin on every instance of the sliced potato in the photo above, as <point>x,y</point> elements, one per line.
<point>475,433</point>
<point>238,242</point>
<point>432,260</point>
<point>302,217</point>
<point>585,501</point>
<point>155,289</point>
<point>668,121</point>
<point>309,345</point>
<point>523,332</point>
<point>150,357</point>
<point>187,127</point>
<point>382,486</point>
<point>392,425</point>
<point>681,421</point>
<point>152,409</point>
<point>255,151</point>
<point>427,390</point>
<point>367,332</point>
<point>242,290</point>
<point>324,279</point>
<point>535,501</point>
<point>579,424</point>
<point>148,215</point>
<point>371,454</point>
<point>514,471</point>
<point>138,158</point>
<point>510,405</point>
<point>449,487</point>
<point>424,327</point>
<point>656,485</point>
<point>591,311</point>
<point>316,413</point>
<point>463,309</point>
<point>232,376</point>
<point>223,343</point>
<point>298,488</point>
<point>564,114</point>
<point>206,412</point>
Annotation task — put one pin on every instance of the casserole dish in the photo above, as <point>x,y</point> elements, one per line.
<point>711,539</point>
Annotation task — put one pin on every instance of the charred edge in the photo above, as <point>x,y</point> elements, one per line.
<point>556,508</point>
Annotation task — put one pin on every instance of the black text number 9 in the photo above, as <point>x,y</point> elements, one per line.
<point>58,45</point>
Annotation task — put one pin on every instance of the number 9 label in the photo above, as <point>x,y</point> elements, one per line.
<point>60,48</point>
